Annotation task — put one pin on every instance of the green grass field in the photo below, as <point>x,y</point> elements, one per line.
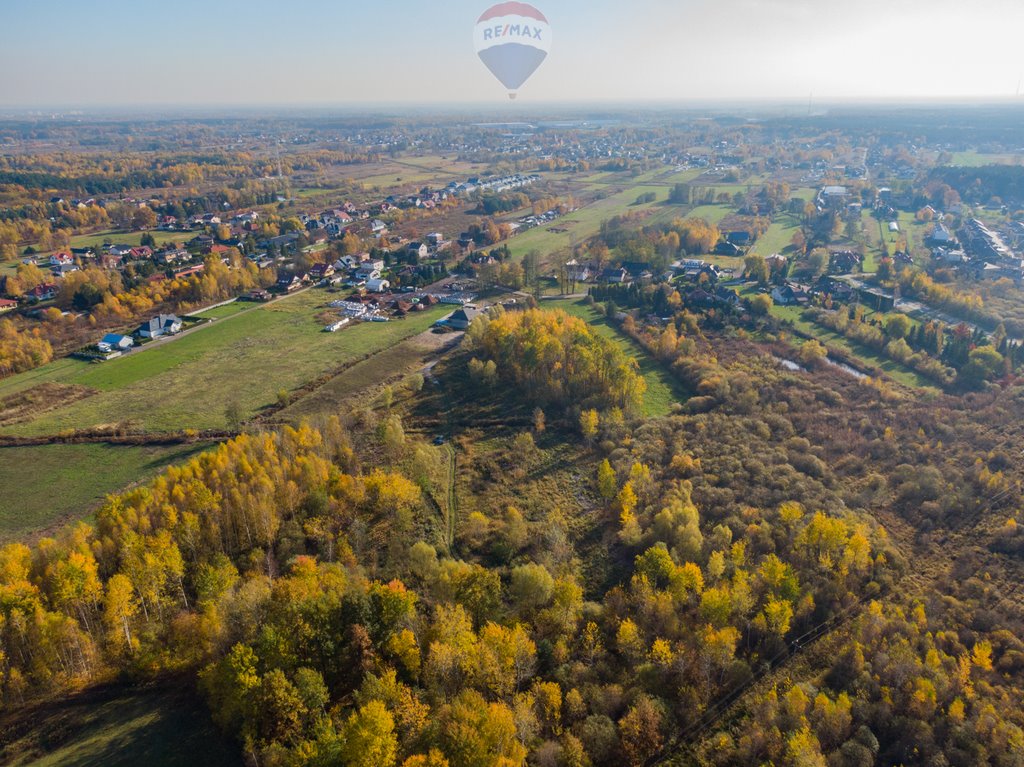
<point>189,382</point>
<point>364,379</point>
<point>711,213</point>
<point>94,729</point>
<point>778,237</point>
<point>662,389</point>
<point>50,484</point>
<point>226,310</point>
<point>978,159</point>
<point>126,238</point>
<point>586,222</point>
<point>893,369</point>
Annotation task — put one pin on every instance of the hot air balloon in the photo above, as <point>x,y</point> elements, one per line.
<point>512,39</point>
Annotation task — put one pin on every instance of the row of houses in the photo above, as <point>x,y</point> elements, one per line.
<point>987,254</point>
<point>800,294</point>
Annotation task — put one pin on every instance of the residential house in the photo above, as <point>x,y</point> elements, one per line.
<point>833,197</point>
<point>726,248</point>
<point>462,318</point>
<point>140,253</point>
<point>321,271</point>
<point>844,261</point>
<point>576,271</point>
<point>727,296</point>
<point>161,325</point>
<point>701,299</point>
<point>119,250</point>
<point>284,242</point>
<point>739,239</point>
<point>789,295</point>
<point>61,259</point>
<point>711,271</point>
<point>949,255</point>
<point>7,305</point>
<point>64,270</point>
<point>941,237</point>
<point>111,262</point>
<point>173,256</point>
<point>638,270</point>
<point>368,271</point>
<point>347,262</point>
<point>44,292</point>
<point>614,276</point>
<point>417,250</point>
<point>837,289</point>
<point>289,283</point>
<point>115,342</point>
<point>378,227</point>
<point>202,243</point>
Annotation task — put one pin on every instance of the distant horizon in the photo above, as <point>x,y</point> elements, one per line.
<point>314,53</point>
<point>810,106</point>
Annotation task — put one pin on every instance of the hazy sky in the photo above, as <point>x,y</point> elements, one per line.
<point>228,52</point>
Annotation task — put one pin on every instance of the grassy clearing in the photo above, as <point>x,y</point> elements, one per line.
<point>364,379</point>
<point>586,222</point>
<point>153,728</point>
<point>978,159</point>
<point>244,359</point>
<point>712,213</point>
<point>115,237</point>
<point>662,389</point>
<point>778,237</point>
<point>226,310</point>
<point>893,369</point>
<point>50,484</point>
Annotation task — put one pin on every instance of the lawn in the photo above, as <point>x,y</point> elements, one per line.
<point>110,729</point>
<point>53,483</point>
<point>663,390</point>
<point>244,359</point>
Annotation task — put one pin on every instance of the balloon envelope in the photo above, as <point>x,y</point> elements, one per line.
<point>512,39</point>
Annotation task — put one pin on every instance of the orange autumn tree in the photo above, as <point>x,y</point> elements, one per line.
<point>559,359</point>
